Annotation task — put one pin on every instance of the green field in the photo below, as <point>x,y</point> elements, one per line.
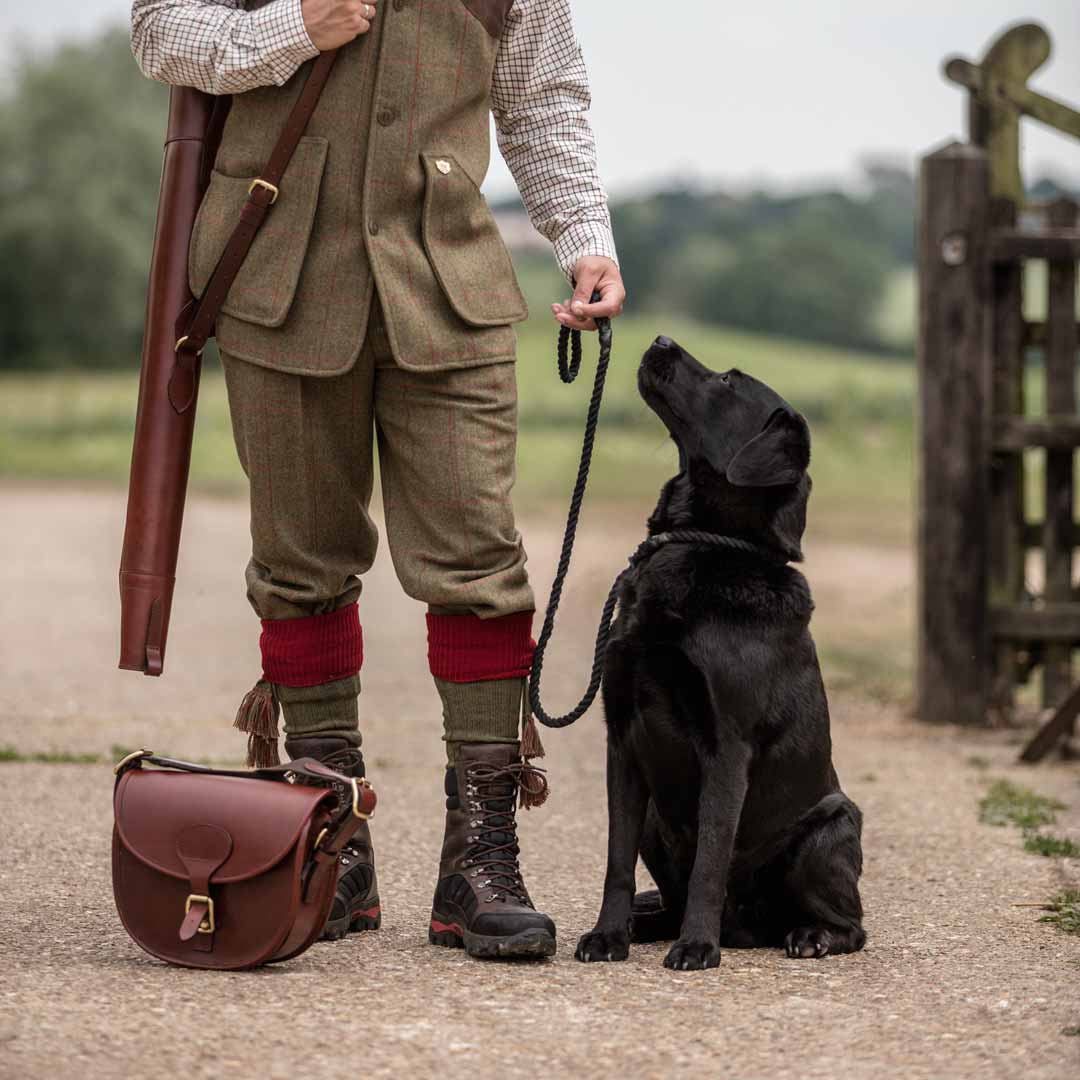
<point>77,426</point>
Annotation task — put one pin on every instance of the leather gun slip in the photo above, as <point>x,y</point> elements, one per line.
<point>177,328</point>
<point>168,388</point>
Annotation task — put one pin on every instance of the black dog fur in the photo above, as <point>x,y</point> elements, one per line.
<point>719,767</point>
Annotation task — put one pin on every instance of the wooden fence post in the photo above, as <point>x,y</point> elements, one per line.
<point>1058,528</point>
<point>954,655</point>
<point>1007,533</point>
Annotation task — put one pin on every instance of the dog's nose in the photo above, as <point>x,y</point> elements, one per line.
<point>663,342</point>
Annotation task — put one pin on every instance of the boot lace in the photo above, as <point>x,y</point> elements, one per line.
<point>491,793</point>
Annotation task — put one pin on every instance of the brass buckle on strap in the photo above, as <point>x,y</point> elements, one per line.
<point>207,925</point>
<point>180,345</point>
<point>266,185</point>
<point>124,762</point>
<point>357,781</point>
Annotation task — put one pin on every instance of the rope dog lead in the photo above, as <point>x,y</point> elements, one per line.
<point>569,358</point>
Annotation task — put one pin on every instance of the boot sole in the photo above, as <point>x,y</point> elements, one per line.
<point>355,922</point>
<point>535,942</point>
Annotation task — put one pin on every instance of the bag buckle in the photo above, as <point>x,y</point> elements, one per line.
<point>357,781</point>
<point>266,186</point>
<point>207,925</point>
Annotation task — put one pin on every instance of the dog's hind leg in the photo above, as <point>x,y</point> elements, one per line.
<point>822,906</point>
<point>658,913</point>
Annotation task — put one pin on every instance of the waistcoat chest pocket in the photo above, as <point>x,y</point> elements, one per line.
<point>266,284</point>
<point>491,13</point>
<point>465,248</point>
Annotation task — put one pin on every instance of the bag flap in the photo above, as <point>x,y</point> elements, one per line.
<point>263,818</point>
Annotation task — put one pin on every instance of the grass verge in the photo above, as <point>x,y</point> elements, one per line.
<point>1006,803</point>
<point>1058,847</point>
<point>10,755</point>
<point>1064,911</point>
<point>1010,804</point>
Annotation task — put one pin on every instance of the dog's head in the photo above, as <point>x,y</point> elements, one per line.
<point>743,450</point>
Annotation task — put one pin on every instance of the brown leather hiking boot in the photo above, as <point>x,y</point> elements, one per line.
<point>481,902</point>
<point>356,902</point>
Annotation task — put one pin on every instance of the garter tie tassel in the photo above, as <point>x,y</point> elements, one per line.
<point>257,717</point>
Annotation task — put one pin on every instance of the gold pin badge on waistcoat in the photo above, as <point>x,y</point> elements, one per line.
<point>443,166</point>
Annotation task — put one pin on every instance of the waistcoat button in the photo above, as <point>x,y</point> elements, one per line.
<point>373,228</point>
<point>387,116</point>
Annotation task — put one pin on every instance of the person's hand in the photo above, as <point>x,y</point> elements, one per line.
<point>332,23</point>
<point>594,273</point>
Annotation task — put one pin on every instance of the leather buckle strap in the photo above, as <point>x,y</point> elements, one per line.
<point>358,806</point>
<point>363,800</point>
<point>258,182</point>
<point>341,829</point>
<point>206,923</point>
<point>181,342</point>
<point>195,325</point>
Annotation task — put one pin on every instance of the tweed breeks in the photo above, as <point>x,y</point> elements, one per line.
<point>446,443</point>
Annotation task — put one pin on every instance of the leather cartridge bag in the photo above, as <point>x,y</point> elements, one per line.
<point>229,870</point>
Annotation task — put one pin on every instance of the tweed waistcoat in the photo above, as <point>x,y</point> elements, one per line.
<point>382,193</point>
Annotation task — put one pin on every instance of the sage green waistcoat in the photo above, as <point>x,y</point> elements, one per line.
<point>383,192</point>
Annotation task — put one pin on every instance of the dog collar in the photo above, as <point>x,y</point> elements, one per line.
<point>695,536</point>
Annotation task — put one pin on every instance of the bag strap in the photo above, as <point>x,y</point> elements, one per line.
<point>302,769</point>
<point>195,326</point>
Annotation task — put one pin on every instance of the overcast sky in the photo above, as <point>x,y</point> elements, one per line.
<point>783,92</point>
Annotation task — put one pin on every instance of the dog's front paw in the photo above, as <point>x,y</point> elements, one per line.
<point>808,943</point>
<point>692,956</point>
<point>603,945</point>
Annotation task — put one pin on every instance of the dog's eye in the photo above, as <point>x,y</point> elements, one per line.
<point>725,379</point>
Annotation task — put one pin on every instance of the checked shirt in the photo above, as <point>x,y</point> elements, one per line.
<point>540,95</point>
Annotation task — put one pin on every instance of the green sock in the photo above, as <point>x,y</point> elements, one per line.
<point>327,711</point>
<point>480,712</point>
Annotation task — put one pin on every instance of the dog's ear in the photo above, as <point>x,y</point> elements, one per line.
<point>779,455</point>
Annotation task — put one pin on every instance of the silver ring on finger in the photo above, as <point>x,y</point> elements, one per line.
<point>369,11</point>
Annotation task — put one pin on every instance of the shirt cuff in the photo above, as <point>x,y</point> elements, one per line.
<point>584,238</point>
<point>282,38</point>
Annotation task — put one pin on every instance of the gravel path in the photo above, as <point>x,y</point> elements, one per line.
<point>956,981</point>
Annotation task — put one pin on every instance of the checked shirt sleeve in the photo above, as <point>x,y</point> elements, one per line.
<point>540,98</point>
<point>218,47</point>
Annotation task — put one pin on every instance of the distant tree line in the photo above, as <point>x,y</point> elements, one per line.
<point>80,155</point>
<point>814,265</point>
<point>80,161</point>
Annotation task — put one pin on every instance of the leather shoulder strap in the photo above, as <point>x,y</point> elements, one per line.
<point>307,769</point>
<point>195,325</point>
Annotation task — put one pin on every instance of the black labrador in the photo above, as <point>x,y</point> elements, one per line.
<point>719,763</point>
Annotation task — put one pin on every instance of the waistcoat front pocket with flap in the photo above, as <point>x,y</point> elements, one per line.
<point>266,284</point>
<point>466,249</point>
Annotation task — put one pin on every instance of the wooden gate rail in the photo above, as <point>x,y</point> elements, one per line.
<point>1007,245</point>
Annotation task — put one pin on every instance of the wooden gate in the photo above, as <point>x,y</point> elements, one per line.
<point>996,534</point>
